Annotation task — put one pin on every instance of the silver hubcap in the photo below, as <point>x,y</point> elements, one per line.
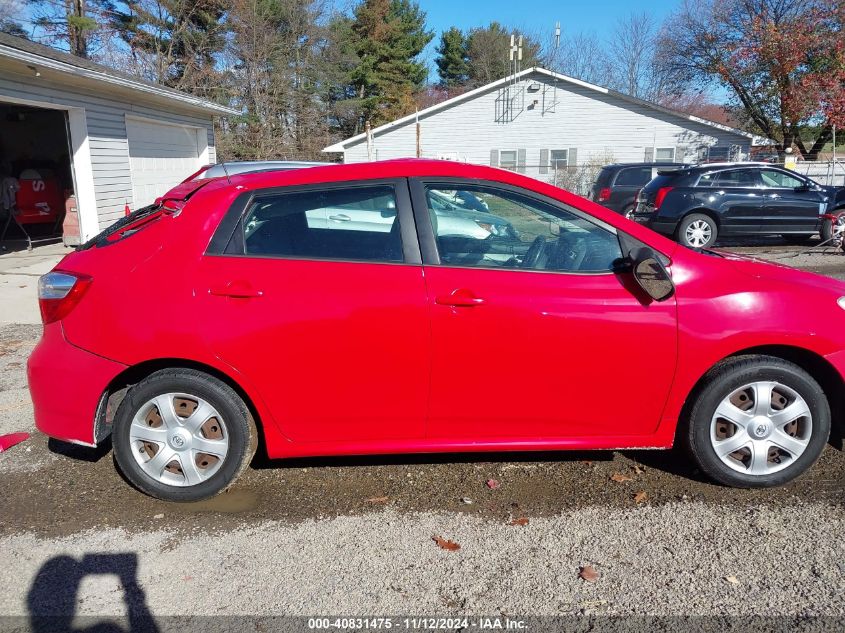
<point>761,428</point>
<point>698,233</point>
<point>630,213</point>
<point>179,439</point>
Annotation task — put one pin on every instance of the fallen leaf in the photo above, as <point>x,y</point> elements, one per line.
<point>619,478</point>
<point>466,501</point>
<point>377,499</point>
<point>492,484</point>
<point>520,521</point>
<point>587,462</point>
<point>640,496</point>
<point>446,544</point>
<point>732,579</point>
<point>638,469</point>
<point>588,573</point>
<point>158,516</point>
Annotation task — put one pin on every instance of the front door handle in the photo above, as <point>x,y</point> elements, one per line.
<point>340,217</point>
<point>774,195</point>
<point>236,289</point>
<point>460,298</point>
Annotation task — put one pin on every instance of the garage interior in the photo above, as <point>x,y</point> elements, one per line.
<point>36,174</point>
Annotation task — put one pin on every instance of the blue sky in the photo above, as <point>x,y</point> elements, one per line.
<point>595,16</point>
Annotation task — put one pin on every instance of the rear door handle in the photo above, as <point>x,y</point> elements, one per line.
<point>460,298</point>
<point>236,290</point>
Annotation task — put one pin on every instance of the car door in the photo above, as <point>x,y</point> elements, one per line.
<point>792,204</point>
<point>533,335</point>
<point>330,325</point>
<point>736,197</point>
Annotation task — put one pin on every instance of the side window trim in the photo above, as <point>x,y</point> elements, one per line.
<point>228,237</point>
<point>425,230</point>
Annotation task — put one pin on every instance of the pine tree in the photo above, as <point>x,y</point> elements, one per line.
<point>70,24</point>
<point>453,60</point>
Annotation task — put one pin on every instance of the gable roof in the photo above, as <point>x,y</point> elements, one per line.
<point>40,56</point>
<point>343,145</point>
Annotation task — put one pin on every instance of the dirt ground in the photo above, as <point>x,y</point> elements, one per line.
<point>60,500</point>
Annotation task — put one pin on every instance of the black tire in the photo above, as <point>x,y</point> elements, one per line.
<point>689,220</point>
<point>728,377</point>
<point>826,230</point>
<point>239,425</point>
<point>798,238</point>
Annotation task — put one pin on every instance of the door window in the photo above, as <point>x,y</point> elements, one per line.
<point>488,227</point>
<point>729,178</point>
<point>355,223</point>
<point>779,179</point>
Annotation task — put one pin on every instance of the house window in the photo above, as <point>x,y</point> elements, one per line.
<point>559,158</point>
<point>507,159</point>
<point>719,153</point>
<point>664,154</point>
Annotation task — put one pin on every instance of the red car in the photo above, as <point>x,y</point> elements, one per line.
<point>349,310</point>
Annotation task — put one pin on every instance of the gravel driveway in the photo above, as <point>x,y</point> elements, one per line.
<point>355,536</point>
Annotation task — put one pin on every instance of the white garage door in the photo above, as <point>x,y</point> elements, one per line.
<point>160,156</point>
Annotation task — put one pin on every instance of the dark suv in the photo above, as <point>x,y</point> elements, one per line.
<point>617,185</point>
<point>698,203</point>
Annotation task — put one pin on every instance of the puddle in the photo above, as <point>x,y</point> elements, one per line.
<point>233,502</point>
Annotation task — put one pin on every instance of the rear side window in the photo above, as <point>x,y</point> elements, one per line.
<point>357,224</point>
<point>658,182</point>
<point>633,177</point>
<point>604,176</point>
<point>729,178</point>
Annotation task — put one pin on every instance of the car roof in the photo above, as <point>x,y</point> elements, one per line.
<point>231,168</point>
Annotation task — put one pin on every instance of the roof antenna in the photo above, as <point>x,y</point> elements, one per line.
<point>226,171</point>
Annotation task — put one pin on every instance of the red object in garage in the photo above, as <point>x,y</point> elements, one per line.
<point>39,200</point>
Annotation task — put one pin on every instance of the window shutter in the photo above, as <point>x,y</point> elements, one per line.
<point>572,157</point>
<point>520,161</point>
<point>544,161</point>
<point>494,158</point>
<point>648,157</point>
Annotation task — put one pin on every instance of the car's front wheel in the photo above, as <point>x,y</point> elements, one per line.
<point>697,231</point>
<point>833,227</point>
<point>183,435</point>
<point>757,421</point>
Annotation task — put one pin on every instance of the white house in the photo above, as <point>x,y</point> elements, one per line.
<point>112,139</point>
<point>539,122</point>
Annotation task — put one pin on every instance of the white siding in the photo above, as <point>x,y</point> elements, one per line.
<point>597,125</point>
<point>106,113</point>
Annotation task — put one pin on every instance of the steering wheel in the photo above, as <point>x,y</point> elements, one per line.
<point>535,251</point>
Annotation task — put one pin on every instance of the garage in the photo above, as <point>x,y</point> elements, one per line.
<point>80,143</point>
<point>36,172</point>
<point>161,156</point>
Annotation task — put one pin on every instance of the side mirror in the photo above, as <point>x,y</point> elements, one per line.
<point>651,274</point>
<point>804,186</point>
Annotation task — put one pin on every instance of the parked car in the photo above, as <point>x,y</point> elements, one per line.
<point>617,185</point>
<point>697,204</point>
<point>220,315</point>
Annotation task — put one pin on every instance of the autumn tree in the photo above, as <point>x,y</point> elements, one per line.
<point>488,53</point>
<point>389,36</point>
<point>783,62</point>
<point>452,58</point>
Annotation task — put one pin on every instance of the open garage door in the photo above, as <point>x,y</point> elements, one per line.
<point>161,156</point>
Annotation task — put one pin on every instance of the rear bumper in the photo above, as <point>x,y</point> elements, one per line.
<point>66,383</point>
<point>664,227</point>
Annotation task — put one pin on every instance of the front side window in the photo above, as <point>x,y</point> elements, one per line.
<point>354,223</point>
<point>779,179</point>
<point>495,228</point>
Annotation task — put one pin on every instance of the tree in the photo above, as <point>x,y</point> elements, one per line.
<point>453,59</point>
<point>10,11</point>
<point>488,53</point>
<point>389,37</point>
<point>782,60</point>
<point>71,24</point>
<point>581,55</point>
<point>174,42</point>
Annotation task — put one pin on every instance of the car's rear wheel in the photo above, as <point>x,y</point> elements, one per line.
<point>182,435</point>
<point>697,231</point>
<point>757,421</point>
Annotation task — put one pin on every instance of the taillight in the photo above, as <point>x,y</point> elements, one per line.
<point>661,195</point>
<point>59,292</point>
<point>604,194</point>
